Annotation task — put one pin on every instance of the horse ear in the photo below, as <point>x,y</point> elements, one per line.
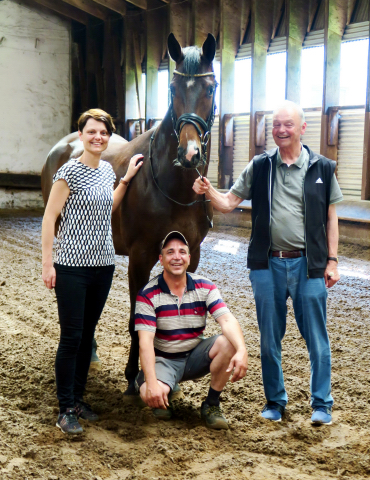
<point>174,48</point>
<point>209,48</point>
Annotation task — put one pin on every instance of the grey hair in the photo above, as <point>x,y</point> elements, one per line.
<point>288,104</point>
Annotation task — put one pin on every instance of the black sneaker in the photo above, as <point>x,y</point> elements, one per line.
<point>68,422</point>
<point>213,417</point>
<point>85,412</point>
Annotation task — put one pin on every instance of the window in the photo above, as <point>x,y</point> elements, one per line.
<point>163,96</point>
<point>275,79</point>
<point>312,76</point>
<point>217,70</point>
<point>242,85</point>
<point>353,72</point>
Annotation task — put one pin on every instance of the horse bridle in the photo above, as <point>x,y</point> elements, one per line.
<point>178,125</point>
<point>194,119</point>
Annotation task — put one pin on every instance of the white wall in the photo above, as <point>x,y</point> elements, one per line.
<point>35,93</point>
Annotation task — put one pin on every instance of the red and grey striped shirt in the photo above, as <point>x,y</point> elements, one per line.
<point>178,327</point>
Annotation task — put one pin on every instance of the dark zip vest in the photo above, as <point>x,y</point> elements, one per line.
<point>316,202</point>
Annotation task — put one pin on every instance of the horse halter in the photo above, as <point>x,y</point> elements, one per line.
<point>193,118</point>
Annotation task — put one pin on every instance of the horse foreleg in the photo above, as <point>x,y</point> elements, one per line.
<point>139,269</point>
<point>194,260</point>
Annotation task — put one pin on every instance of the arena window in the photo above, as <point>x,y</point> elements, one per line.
<point>353,72</point>
<point>312,76</point>
<point>275,79</point>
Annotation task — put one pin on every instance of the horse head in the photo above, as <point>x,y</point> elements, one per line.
<point>192,105</point>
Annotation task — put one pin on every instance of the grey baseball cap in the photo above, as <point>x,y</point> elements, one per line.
<point>172,235</point>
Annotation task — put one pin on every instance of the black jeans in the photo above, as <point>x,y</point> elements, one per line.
<point>81,295</point>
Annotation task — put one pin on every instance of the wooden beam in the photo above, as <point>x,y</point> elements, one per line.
<point>335,23</point>
<point>88,6</point>
<point>61,8</point>
<point>118,6</point>
<point>365,192</point>
<point>139,3</point>
<point>313,8</point>
<point>279,11</point>
<point>244,19</point>
<point>229,44</point>
<point>156,20</point>
<point>20,180</point>
<point>261,25</point>
<point>297,22</point>
<point>202,15</point>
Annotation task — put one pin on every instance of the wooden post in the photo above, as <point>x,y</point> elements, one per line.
<point>261,24</point>
<point>131,110</point>
<point>155,22</point>
<point>335,22</point>
<point>110,99</point>
<point>365,192</point>
<point>229,44</point>
<point>203,20</point>
<point>180,25</point>
<point>297,22</point>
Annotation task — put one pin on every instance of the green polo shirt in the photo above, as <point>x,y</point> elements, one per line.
<point>287,212</point>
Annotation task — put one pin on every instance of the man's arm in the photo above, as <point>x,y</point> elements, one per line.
<point>155,397</point>
<point>331,274</point>
<point>231,329</point>
<point>223,202</point>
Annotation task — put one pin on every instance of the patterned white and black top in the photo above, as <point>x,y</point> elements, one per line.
<point>85,232</point>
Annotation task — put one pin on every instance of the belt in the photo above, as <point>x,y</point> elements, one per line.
<point>291,254</point>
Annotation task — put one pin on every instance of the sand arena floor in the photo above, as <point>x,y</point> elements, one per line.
<point>128,443</point>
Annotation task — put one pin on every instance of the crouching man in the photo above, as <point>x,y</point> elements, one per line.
<point>170,318</point>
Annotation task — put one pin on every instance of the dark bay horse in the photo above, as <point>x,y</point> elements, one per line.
<point>160,197</point>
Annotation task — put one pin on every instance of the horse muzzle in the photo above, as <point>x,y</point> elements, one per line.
<point>189,157</point>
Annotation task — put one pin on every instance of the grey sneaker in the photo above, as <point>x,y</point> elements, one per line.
<point>85,412</point>
<point>321,416</point>
<point>68,422</point>
<point>213,417</point>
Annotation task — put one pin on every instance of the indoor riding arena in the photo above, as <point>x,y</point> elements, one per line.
<point>60,58</point>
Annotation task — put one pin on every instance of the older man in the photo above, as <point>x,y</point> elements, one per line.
<point>170,317</point>
<point>292,252</point>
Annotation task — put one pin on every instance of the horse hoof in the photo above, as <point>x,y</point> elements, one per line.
<point>130,397</point>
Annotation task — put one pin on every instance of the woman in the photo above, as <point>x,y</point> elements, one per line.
<point>82,274</point>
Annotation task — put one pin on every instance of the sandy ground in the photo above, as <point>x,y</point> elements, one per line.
<point>128,443</point>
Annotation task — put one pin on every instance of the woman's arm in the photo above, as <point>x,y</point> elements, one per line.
<point>121,189</point>
<point>57,198</point>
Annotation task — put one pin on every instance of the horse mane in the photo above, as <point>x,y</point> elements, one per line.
<point>192,56</point>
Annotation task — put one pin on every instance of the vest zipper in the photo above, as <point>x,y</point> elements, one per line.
<point>305,216</point>
<point>270,203</point>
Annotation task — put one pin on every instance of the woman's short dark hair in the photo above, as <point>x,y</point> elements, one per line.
<point>98,115</point>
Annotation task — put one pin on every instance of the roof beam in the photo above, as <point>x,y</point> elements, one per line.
<point>63,9</point>
<point>88,6</point>
<point>118,6</point>
<point>139,3</point>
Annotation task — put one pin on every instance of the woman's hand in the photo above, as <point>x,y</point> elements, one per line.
<point>48,276</point>
<point>133,167</point>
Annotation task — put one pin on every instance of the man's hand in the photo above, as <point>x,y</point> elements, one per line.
<point>331,274</point>
<point>155,395</point>
<point>201,185</point>
<point>239,363</point>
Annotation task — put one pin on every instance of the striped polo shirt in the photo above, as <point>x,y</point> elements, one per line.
<point>178,327</point>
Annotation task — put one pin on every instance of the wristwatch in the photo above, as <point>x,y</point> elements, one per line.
<point>125,182</point>
<point>334,258</point>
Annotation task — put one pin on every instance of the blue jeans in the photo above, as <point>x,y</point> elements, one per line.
<point>271,288</point>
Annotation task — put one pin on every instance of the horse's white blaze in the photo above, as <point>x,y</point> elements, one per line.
<point>190,83</point>
<point>191,150</point>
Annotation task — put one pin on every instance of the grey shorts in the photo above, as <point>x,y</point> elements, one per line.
<point>175,370</point>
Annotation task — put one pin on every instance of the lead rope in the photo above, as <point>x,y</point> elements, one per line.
<point>204,200</point>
